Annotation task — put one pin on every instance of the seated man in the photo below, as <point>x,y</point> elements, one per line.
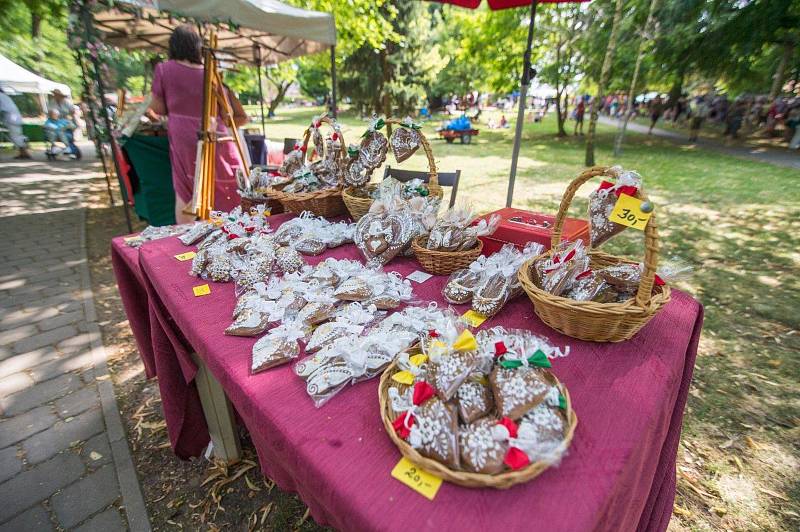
<point>60,129</point>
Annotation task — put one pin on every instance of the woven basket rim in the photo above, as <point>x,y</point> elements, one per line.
<point>502,480</point>
<point>417,243</point>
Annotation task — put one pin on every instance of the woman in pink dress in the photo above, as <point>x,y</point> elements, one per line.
<point>178,93</point>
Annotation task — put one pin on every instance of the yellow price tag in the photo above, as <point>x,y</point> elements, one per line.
<point>417,479</point>
<point>202,290</point>
<point>473,318</point>
<point>189,255</point>
<point>628,211</point>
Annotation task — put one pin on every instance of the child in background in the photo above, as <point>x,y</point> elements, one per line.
<point>60,129</point>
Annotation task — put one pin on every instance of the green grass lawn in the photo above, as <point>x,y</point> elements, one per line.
<point>736,222</point>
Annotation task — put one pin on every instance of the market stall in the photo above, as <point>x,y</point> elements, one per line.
<point>262,32</point>
<point>518,373</point>
<point>619,473</point>
<point>16,80</point>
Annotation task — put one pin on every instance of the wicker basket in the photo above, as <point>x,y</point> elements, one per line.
<point>358,200</point>
<point>589,320</point>
<point>326,202</point>
<point>462,478</point>
<point>443,262</point>
<point>275,207</point>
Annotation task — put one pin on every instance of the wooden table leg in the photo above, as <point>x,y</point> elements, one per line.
<point>219,414</point>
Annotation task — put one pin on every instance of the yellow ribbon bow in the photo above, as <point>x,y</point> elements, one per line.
<point>465,342</point>
<point>406,376</point>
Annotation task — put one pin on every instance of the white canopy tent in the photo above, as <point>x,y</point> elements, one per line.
<point>16,80</point>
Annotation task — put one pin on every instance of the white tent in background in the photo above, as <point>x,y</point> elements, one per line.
<point>15,80</point>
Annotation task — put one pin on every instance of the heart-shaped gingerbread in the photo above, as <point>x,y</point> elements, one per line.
<point>405,142</point>
<point>434,432</point>
<point>517,390</point>
<point>380,237</point>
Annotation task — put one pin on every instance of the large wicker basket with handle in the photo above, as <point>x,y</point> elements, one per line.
<point>590,320</point>
<point>463,478</point>
<point>326,202</point>
<point>358,199</point>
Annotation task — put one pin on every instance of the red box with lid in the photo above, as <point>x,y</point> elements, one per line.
<point>519,227</point>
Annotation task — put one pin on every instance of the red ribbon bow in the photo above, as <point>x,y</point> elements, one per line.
<point>232,236</point>
<point>587,273</point>
<point>627,189</point>
<point>500,348</point>
<point>422,392</point>
<point>433,334</point>
<point>515,458</point>
<point>335,136</point>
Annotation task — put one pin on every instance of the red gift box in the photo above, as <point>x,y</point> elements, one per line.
<point>519,227</point>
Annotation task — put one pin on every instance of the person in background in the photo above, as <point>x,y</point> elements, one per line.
<point>178,93</point>
<point>60,128</point>
<point>656,110</point>
<point>699,113</point>
<point>580,110</point>
<point>11,119</point>
<point>64,106</point>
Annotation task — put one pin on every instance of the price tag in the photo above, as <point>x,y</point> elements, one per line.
<point>417,479</point>
<point>202,290</point>
<point>473,318</point>
<point>418,276</point>
<point>628,211</point>
<point>189,255</point>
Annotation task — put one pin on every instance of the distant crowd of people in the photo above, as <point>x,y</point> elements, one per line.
<point>755,114</point>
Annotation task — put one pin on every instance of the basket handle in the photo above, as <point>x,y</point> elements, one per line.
<point>342,145</point>
<point>332,123</point>
<point>426,146</point>
<point>651,242</point>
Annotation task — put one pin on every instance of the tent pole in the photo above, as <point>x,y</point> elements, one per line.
<point>333,82</point>
<point>527,75</point>
<point>257,58</point>
<point>87,26</point>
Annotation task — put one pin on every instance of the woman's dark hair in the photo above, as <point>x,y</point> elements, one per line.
<point>186,45</point>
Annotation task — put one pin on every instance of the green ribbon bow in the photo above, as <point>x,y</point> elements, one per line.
<point>352,151</point>
<point>562,402</point>
<point>411,125</point>
<point>377,124</point>
<point>537,359</point>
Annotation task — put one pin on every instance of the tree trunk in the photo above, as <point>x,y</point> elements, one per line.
<point>561,131</point>
<point>36,25</point>
<point>646,38</point>
<point>386,102</point>
<point>777,78</point>
<point>601,88</point>
<point>276,101</point>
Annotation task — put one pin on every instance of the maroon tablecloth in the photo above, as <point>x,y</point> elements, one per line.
<point>619,473</point>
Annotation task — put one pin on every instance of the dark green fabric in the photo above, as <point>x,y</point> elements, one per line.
<point>34,132</point>
<point>154,195</point>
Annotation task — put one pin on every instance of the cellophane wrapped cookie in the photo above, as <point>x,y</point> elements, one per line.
<point>602,201</point>
<point>278,347</point>
<point>557,272</point>
<point>499,283</point>
<point>429,424</point>
<point>481,450</point>
<point>453,231</point>
<point>197,232</point>
<point>383,233</point>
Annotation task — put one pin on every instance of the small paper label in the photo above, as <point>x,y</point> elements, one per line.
<point>418,276</point>
<point>473,318</point>
<point>189,255</point>
<point>417,479</point>
<point>628,211</point>
<point>202,290</point>
<point>129,239</point>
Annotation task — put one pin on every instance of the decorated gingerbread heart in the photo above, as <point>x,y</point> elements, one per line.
<point>380,236</point>
<point>405,142</point>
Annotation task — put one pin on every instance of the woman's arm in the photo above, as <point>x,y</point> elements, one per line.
<point>240,117</point>
<point>158,104</point>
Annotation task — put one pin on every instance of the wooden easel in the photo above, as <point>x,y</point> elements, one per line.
<point>214,96</point>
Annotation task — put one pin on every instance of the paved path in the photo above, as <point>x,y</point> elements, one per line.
<point>64,458</point>
<point>777,157</point>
